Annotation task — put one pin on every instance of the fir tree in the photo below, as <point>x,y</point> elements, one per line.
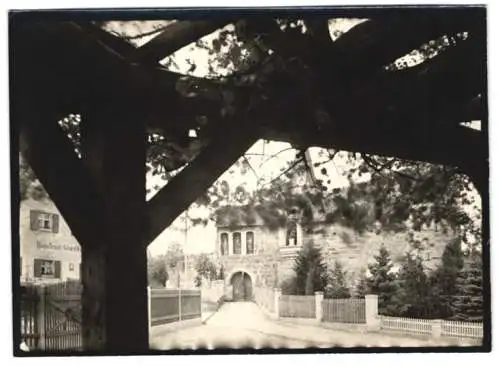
<point>382,281</point>
<point>443,281</point>
<point>310,271</point>
<point>361,288</point>
<point>468,302</point>
<point>413,288</point>
<point>337,285</point>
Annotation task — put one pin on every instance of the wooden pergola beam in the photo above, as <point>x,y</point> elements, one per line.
<point>173,38</point>
<point>52,156</point>
<point>227,146</point>
<point>114,271</point>
<point>410,144</point>
<point>357,54</point>
<point>435,90</point>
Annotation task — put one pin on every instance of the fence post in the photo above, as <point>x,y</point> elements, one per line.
<point>180,304</point>
<point>319,305</point>
<point>277,295</point>
<point>436,328</point>
<point>40,317</point>
<point>371,313</point>
<point>149,308</point>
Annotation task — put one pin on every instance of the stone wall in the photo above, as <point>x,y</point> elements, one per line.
<point>261,265</point>
<point>356,251</point>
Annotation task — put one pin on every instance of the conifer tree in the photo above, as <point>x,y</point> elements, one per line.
<point>443,281</point>
<point>413,288</point>
<point>337,285</point>
<point>382,281</point>
<point>310,271</point>
<point>468,302</point>
<point>361,288</point>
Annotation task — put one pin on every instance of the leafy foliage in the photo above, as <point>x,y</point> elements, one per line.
<point>29,186</point>
<point>422,194</point>
<point>205,268</point>
<point>174,255</point>
<point>157,271</point>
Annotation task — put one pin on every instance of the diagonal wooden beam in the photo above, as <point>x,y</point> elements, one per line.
<point>359,53</point>
<point>234,139</point>
<point>34,110</point>
<point>53,159</point>
<point>173,38</point>
<point>435,90</point>
<point>468,147</point>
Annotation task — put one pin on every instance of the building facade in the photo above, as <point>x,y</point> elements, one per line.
<point>256,256</point>
<point>48,250</point>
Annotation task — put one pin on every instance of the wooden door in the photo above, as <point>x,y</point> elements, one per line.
<point>238,287</point>
<point>247,285</point>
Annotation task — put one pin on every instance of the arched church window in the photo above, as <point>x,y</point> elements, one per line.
<point>224,244</point>
<point>291,234</point>
<point>250,243</point>
<point>236,243</point>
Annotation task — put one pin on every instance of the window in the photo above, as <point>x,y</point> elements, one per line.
<point>47,268</point>
<point>224,244</point>
<point>250,244</point>
<point>71,267</point>
<point>291,234</point>
<point>236,243</point>
<point>45,221</point>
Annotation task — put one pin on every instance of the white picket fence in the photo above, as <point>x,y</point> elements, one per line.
<point>264,297</point>
<point>461,329</point>
<point>406,325</point>
<point>440,328</point>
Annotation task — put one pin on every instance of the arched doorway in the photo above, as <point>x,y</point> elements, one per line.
<point>242,286</point>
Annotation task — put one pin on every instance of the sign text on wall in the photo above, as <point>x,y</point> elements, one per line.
<point>67,247</point>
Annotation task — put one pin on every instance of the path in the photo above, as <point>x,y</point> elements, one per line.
<point>244,325</point>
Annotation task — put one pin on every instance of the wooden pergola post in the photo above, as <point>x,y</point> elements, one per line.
<point>114,269</point>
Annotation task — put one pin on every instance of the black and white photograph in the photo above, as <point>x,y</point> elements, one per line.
<point>249,181</point>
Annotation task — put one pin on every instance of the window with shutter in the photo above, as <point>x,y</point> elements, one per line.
<point>46,268</point>
<point>44,221</point>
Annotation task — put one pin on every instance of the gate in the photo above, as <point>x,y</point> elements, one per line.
<point>51,316</point>
<point>242,286</point>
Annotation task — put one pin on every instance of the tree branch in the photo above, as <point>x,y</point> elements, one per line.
<point>275,155</point>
